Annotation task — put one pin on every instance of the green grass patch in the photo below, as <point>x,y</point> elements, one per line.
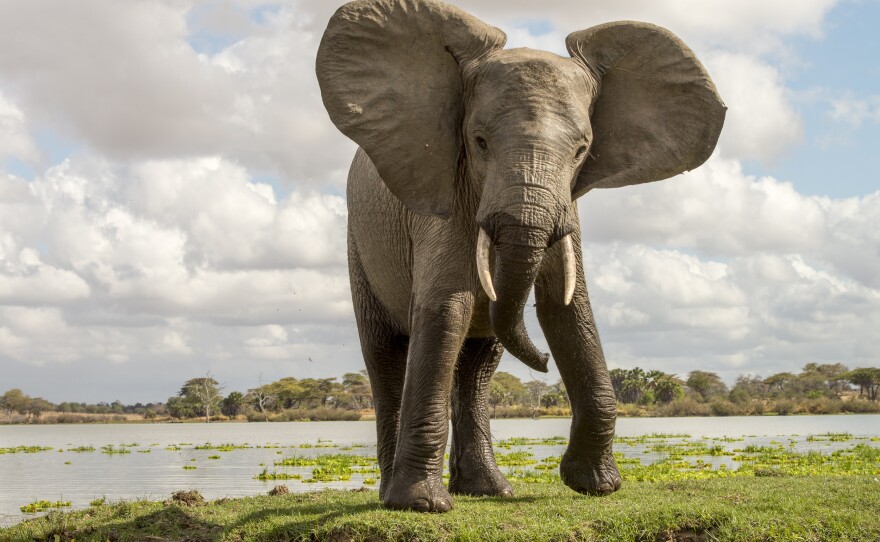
<point>741,509</point>
<point>515,459</point>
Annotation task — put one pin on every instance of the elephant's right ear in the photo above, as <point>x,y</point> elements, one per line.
<point>390,77</point>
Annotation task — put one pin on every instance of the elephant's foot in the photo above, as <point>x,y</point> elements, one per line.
<point>421,495</point>
<point>384,482</point>
<point>590,474</point>
<point>479,479</point>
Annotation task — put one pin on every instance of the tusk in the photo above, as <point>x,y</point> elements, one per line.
<point>483,246</point>
<point>568,263</point>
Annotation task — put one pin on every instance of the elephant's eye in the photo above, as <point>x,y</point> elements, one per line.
<point>580,152</point>
<point>481,143</point>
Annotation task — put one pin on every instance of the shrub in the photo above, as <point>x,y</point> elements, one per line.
<point>784,407</point>
<point>757,407</point>
<point>822,405</point>
<point>724,408</point>
<point>860,406</point>
<point>685,407</point>
<point>628,409</point>
<point>306,414</point>
<point>555,411</point>
<point>513,411</point>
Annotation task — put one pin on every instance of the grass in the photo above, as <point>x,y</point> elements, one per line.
<point>775,494</point>
<point>743,508</point>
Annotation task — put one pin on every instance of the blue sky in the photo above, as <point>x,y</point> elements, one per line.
<point>169,178</point>
<point>835,157</point>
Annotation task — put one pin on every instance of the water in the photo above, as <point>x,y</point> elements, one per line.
<point>151,471</point>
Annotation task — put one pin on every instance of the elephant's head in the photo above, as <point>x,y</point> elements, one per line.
<point>442,109</point>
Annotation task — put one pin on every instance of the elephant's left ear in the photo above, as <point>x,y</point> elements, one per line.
<point>658,112</point>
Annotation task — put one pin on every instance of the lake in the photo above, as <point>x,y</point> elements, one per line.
<point>150,461</point>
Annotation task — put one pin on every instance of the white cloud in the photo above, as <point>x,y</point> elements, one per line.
<point>753,26</point>
<point>761,122</point>
<point>159,258</point>
<point>255,100</point>
<point>138,69</point>
<point>720,212</point>
<point>15,142</point>
<point>855,111</point>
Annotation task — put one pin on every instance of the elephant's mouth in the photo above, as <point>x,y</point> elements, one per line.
<point>516,268</point>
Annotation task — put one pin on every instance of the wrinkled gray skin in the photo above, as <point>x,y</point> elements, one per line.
<point>458,134</point>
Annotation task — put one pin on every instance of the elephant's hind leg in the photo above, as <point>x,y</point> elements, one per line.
<point>472,465</point>
<point>384,348</point>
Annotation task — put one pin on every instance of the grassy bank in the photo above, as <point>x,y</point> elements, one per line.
<point>745,508</point>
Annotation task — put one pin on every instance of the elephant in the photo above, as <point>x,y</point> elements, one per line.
<point>462,198</point>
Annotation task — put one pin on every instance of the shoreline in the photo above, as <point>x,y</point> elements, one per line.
<point>367,418</point>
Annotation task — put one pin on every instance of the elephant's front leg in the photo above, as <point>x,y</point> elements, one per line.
<point>472,467</point>
<point>588,465</point>
<point>438,325</point>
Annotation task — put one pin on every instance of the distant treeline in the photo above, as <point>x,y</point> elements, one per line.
<point>817,389</point>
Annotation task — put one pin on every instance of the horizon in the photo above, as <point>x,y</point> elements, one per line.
<point>172,197</point>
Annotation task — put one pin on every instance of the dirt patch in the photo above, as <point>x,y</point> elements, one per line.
<point>186,498</point>
<point>279,490</point>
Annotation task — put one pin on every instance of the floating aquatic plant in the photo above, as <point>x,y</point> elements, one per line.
<point>111,450</point>
<point>266,475</point>
<point>40,506</point>
<point>25,449</point>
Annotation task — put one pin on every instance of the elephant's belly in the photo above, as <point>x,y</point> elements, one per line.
<point>378,226</point>
<point>382,230</point>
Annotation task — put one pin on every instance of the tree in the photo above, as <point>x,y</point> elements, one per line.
<point>747,389</point>
<point>287,392</point>
<point>536,391</point>
<point>778,381</point>
<point>707,384</point>
<point>15,400</point>
<point>357,387</point>
<point>617,377</point>
<point>635,384</point>
<point>261,398</point>
<point>666,387</point>
<point>867,379</point>
<point>505,389</point>
<point>204,394</point>
<point>629,385</point>
<point>179,408</point>
<point>825,377</point>
<point>37,405</point>
<point>555,396</point>
<point>233,404</point>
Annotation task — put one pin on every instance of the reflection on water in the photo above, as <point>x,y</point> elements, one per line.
<point>157,454</point>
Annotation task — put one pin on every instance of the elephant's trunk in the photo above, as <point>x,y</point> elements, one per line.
<point>518,257</point>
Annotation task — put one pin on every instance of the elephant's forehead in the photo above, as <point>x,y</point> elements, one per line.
<point>534,80</point>
<point>529,70</point>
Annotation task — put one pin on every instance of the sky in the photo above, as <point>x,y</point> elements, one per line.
<point>172,196</point>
